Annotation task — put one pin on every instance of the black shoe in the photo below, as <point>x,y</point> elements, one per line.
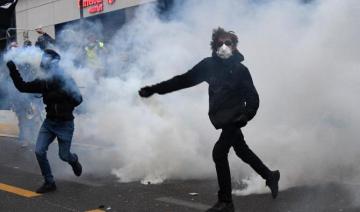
<point>222,207</point>
<point>273,183</point>
<point>46,188</point>
<point>76,166</point>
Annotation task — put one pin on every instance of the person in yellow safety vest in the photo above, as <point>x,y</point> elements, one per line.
<point>94,52</point>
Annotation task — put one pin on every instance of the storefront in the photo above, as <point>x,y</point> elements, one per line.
<point>53,15</point>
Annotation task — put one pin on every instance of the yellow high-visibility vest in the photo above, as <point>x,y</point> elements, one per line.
<point>92,57</point>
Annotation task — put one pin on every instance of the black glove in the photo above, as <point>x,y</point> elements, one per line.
<point>11,65</point>
<point>241,121</point>
<point>146,91</point>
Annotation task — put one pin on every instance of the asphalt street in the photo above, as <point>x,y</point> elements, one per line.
<point>20,177</point>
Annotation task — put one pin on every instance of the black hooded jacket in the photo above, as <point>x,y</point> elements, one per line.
<point>44,41</point>
<point>231,89</point>
<point>60,94</point>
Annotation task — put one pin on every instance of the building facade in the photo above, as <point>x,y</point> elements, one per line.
<point>51,15</point>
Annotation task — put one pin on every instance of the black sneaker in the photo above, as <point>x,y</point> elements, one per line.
<point>46,188</point>
<point>222,207</point>
<point>76,166</point>
<point>273,183</point>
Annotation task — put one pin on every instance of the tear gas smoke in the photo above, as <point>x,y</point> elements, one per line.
<point>304,60</point>
<point>28,55</point>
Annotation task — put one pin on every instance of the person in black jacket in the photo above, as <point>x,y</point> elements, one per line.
<point>60,95</point>
<point>44,41</point>
<point>233,101</point>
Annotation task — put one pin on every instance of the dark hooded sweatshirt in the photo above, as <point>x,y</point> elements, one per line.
<point>60,94</point>
<point>231,89</point>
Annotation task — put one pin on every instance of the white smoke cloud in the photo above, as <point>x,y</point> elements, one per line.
<point>304,60</point>
<point>29,55</point>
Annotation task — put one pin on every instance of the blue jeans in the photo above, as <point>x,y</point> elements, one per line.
<point>63,131</point>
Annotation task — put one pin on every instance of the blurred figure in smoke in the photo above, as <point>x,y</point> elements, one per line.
<point>13,45</point>
<point>94,51</point>
<point>60,95</point>
<point>44,41</point>
<point>233,102</point>
<point>27,43</point>
<point>26,107</point>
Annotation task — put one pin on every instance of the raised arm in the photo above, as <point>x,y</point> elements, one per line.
<point>36,86</point>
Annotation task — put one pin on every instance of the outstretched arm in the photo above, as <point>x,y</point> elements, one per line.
<point>36,86</point>
<point>49,38</point>
<point>46,36</point>
<point>186,80</point>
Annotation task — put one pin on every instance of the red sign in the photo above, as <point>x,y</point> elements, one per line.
<point>94,6</point>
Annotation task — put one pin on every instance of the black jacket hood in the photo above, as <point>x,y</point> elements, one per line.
<point>231,89</point>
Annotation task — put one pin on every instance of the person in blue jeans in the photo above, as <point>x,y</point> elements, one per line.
<point>60,95</point>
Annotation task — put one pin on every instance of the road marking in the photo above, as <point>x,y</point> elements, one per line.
<point>88,146</point>
<point>96,210</point>
<point>187,204</point>
<point>9,130</point>
<point>8,135</point>
<point>18,191</point>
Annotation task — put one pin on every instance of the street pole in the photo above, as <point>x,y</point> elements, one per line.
<point>81,9</point>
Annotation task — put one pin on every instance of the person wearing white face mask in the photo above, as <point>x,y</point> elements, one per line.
<point>233,102</point>
<point>225,50</point>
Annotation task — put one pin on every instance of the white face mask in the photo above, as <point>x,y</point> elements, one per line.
<point>224,52</point>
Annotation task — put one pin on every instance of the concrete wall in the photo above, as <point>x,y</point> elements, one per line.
<point>31,14</point>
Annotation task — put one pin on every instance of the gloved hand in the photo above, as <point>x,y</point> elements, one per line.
<point>241,121</point>
<point>11,66</point>
<point>146,91</point>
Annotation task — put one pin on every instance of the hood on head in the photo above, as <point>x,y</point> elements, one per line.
<point>50,59</point>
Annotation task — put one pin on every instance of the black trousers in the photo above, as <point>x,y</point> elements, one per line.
<point>233,137</point>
